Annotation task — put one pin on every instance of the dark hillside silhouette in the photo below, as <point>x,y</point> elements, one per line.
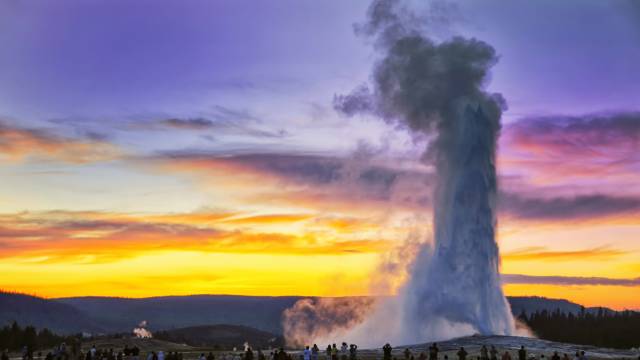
<point>603,328</point>
<point>43,313</point>
<point>14,337</point>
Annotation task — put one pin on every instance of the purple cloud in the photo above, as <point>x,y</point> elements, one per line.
<point>567,208</point>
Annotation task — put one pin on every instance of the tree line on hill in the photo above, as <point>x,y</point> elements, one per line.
<point>602,328</point>
<point>14,337</point>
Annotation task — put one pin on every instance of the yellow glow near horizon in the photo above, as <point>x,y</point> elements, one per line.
<point>61,254</point>
<point>615,297</point>
<point>188,273</point>
<point>185,273</point>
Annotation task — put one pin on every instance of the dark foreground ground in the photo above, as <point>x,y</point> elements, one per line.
<point>535,347</point>
<point>472,344</point>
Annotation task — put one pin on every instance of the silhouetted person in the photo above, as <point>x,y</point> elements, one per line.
<point>484,353</point>
<point>555,356</point>
<point>282,355</point>
<point>306,354</point>
<point>315,351</point>
<point>433,351</point>
<point>344,351</point>
<point>328,352</point>
<point>407,354</point>
<point>353,351</point>
<point>494,353</point>
<point>386,351</point>
<point>522,353</point>
<point>248,355</point>
<point>334,352</point>
<point>462,354</point>
<point>582,355</point>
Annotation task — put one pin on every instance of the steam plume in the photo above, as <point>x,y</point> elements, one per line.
<point>318,318</point>
<point>436,90</point>
<point>141,330</point>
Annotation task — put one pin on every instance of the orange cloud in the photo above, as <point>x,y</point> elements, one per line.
<point>541,253</point>
<point>268,219</point>
<point>306,181</point>
<point>94,237</point>
<point>18,144</point>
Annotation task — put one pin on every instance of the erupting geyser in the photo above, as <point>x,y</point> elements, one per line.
<point>459,282</point>
<point>437,90</point>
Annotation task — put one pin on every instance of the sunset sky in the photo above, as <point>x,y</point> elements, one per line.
<point>168,148</point>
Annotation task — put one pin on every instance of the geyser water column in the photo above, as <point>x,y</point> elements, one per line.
<point>459,283</point>
<point>436,90</point>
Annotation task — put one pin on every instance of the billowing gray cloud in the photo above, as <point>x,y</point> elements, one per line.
<point>567,280</point>
<point>422,86</point>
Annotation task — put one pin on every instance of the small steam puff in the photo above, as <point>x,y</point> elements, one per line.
<point>141,331</point>
<point>436,90</point>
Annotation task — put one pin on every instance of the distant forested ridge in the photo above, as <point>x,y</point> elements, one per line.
<point>602,328</point>
<point>14,337</point>
<point>550,319</point>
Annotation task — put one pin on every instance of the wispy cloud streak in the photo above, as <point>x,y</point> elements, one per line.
<point>542,253</point>
<point>568,280</point>
<point>105,237</point>
<point>17,144</point>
